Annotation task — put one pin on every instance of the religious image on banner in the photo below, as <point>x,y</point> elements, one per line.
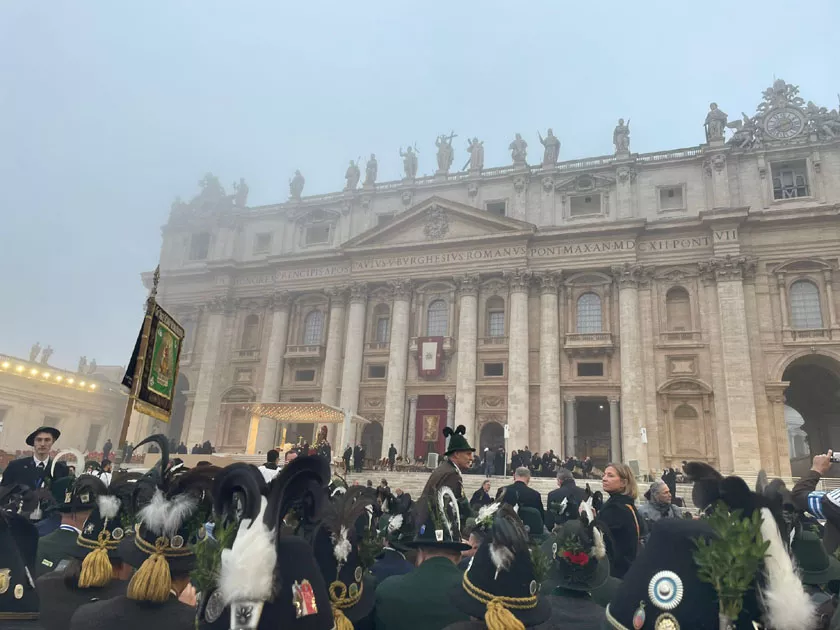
<point>429,356</point>
<point>162,374</point>
<point>431,426</point>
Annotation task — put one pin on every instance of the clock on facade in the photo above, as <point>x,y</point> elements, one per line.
<point>785,123</point>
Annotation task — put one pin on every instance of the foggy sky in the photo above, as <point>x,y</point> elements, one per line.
<point>108,110</point>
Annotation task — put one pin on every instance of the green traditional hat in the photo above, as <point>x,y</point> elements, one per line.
<point>457,441</point>
<point>77,494</point>
<point>578,556</point>
<point>816,566</point>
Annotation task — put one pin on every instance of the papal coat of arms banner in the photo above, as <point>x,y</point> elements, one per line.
<point>429,356</point>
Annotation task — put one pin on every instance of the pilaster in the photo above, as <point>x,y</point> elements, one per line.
<point>273,373</point>
<point>397,366</point>
<point>571,425</point>
<point>412,427</point>
<point>335,342</point>
<point>615,431</point>
<point>517,372</point>
<point>551,426</point>
<point>467,341</point>
<point>353,354</point>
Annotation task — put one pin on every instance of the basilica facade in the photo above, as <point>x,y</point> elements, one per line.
<point>643,307</point>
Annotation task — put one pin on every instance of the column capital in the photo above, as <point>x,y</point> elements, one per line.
<point>400,289</point>
<point>614,400</point>
<point>449,397</point>
<point>629,276</point>
<point>468,285</point>
<point>337,294</point>
<point>280,301</point>
<point>225,304</point>
<point>519,280</point>
<point>358,293</point>
<point>728,268</point>
<point>549,282</point>
<point>569,399</point>
<point>827,275</point>
<point>412,399</point>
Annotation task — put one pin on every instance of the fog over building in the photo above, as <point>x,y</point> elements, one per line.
<point>651,307</point>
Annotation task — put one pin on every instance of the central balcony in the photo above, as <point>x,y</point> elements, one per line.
<point>377,347</point>
<point>305,353</point>
<point>250,354</point>
<point>589,344</point>
<point>448,346</point>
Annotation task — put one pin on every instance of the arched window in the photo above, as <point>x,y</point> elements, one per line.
<point>688,432</point>
<point>678,309</point>
<point>437,319</point>
<point>382,323</point>
<point>685,412</point>
<point>805,305</point>
<point>589,317</point>
<point>313,328</point>
<point>250,331</point>
<point>495,317</point>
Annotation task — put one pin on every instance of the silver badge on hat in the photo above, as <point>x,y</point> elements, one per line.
<point>666,621</point>
<point>665,590</point>
<point>358,574</point>
<point>533,587</point>
<point>118,533</point>
<point>18,591</point>
<point>5,579</point>
<point>177,541</point>
<point>215,606</point>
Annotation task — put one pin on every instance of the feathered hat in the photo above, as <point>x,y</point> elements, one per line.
<point>457,440</point>
<point>500,584</point>
<point>437,521</point>
<point>18,548</point>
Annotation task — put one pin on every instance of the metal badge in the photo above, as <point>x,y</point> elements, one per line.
<point>89,528</point>
<point>18,591</point>
<point>353,591</point>
<point>5,578</point>
<point>177,541</point>
<point>639,617</point>
<point>215,607</point>
<point>554,549</point>
<point>358,574</point>
<point>666,621</point>
<point>303,598</point>
<point>68,496</point>
<point>533,587</point>
<point>245,615</point>
<point>84,498</point>
<point>439,535</point>
<point>118,533</point>
<point>665,590</point>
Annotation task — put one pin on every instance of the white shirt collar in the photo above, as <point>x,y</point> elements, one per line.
<point>70,528</point>
<point>38,461</point>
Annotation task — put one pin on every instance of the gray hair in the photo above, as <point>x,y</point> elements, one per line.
<point>522,472</point>
<point>563,474</point>
<point>656,487</point>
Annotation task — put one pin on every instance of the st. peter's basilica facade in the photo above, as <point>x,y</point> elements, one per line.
<point>651,307</point>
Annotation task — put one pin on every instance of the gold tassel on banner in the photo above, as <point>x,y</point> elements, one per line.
<point>498,617</point>
<point>96,569</point>
<point>153,580</point>
<point>341,620</point>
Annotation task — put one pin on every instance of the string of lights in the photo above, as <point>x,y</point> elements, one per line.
<point>53,376</point>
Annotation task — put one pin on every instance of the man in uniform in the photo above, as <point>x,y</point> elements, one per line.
<point>18,597</point>
<point>458,457</point>
<point>36,471</point>
<point>76,498</point>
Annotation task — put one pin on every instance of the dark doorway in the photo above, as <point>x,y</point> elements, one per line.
<point>593,430</point>
<point>372,440</point>
<point>492,436</point>
<point>814,395</point>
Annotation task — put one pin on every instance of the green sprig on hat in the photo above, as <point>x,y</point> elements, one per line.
<point>730,560</point>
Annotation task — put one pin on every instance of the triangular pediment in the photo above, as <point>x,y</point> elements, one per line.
<point>438,220</point>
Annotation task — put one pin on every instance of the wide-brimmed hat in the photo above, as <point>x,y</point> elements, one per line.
<point>457,440</point>
<point>18,547</point>
<point>816,567</point>
<point>77,494</point>
<point>578,556</point>
<point>437,521</point>
<point>30,439</point>
<point>500,580</point>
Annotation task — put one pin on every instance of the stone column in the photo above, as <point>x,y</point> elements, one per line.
<point>412,426</point>
<point>632,385</point>
<point>270,393</point>
<point>737,368</point>
<point>829,298</point>
<point>615,432</point>
<point>517,368</point>
<point>551,424</point>
<point>467,341</point>
<point>198,431</point>
<point>353,355</point>
<point>571,425</point>
<point>783,302</point>
<point>335,342</point>
<point>710,316</point>
<point>450,411</point>
<point>397,367</point>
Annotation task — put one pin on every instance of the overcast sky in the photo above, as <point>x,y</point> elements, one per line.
<point>108,110</point>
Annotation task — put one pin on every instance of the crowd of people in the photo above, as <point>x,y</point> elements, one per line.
<point>293,545</point>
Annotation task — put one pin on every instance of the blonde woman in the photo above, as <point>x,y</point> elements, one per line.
<point>619,518</point>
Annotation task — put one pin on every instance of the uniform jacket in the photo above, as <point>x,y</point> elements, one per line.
<point>53,548</point>
<point>420,600</point>
<point>520,494</point>
<point>389,563</point>
<point>59,602</point>
<point>623,530</point>
<point>24,471</point>
<point>125,614</point>
<point>446,474</point>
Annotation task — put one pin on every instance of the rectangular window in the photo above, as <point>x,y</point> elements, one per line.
<point>200,246</point>
<point>499,208</point>
<point>317,234</point>
<point>305,375</point>
<point>376,371</point>
<point>262,243</point>
<point>494,369</point>
<point>671,198</point>
<point>382,219</point>
<point>585,204</point>
<point>496,324</point>
<point>790,180</point>
<point>590,369</point>
<point>383,330</point>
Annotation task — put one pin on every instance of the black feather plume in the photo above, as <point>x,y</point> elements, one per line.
<point>158,473</point>
<point>241,478</point>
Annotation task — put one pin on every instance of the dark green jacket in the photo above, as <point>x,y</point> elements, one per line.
<point>421,599</point>
<point>53,548</point>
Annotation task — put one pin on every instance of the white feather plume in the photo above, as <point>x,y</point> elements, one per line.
<point>563,504</point>
<point>587,509</point>
<point>599,550</point>
<point>341,546</point>
<point>163,517</point>
<point>787,605</point>
<point>486,514</point>
<point>395,523</point>
<point>445,494</point>
<point>338,490</point>
<point>109,505</point>
<point>501,556</point>
<point>80,459</point>
<point>247,571</point>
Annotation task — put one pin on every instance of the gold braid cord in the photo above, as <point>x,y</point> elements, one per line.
<point>340,600</point>
<point>153,580</point>
<point>499,615</point>
<point>97,570</point>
